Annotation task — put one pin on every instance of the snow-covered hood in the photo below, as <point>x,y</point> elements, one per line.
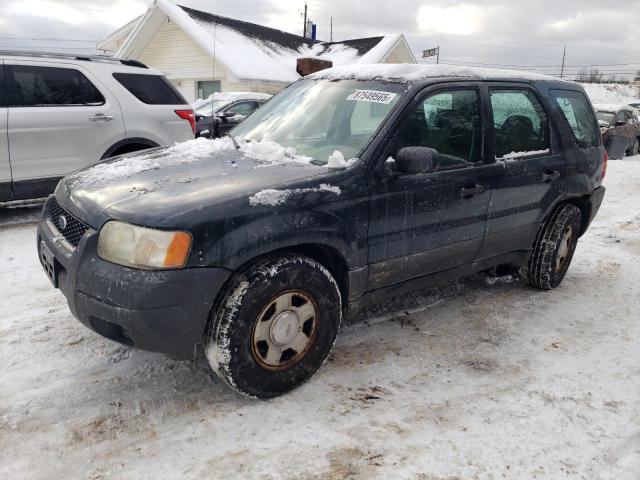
<point>153,187</point>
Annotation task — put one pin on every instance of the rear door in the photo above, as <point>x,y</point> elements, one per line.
<point>529,169</point>
<point>59,121</point>
<point>427,223</point>
<point>5,166</point>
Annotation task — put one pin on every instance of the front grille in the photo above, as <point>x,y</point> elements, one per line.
<point>69,226</point>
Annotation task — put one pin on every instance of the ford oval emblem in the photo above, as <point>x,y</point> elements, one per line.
<point>62,222</point>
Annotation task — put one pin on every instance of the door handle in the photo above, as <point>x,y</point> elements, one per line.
<point>101,117</point>
<point>469,191</point>
<point>550,175</point>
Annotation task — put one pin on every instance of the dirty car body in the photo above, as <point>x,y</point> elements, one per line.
<point>446,179</point>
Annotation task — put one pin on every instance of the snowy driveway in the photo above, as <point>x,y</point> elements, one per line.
<point>499,381</point>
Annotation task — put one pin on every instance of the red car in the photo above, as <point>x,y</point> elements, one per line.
<point>620,127</point>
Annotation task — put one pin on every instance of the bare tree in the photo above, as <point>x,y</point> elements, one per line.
<point>590,76</point>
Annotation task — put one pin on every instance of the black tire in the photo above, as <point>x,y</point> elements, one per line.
<point>635,148</point>
<point>552,250</point>
<point>231,346</point>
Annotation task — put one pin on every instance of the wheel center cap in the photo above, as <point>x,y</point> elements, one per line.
<point>285,328</point>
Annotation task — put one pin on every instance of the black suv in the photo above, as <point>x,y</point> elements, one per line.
<point>345,187</point>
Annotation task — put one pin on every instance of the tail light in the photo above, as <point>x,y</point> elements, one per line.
<point>604,164</point>
<point>189,116</point>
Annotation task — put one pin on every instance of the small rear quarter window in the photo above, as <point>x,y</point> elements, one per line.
<point>576,110</point>
<point>150,89</point>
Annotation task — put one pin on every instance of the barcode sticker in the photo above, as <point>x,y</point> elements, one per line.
<point>374,96</point>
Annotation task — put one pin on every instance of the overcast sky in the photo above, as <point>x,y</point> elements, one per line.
<point>526,33</point>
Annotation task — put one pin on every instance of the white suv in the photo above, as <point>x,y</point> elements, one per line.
<point>59,113</point>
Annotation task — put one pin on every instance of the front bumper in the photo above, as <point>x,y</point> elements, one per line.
<point>161,311</point>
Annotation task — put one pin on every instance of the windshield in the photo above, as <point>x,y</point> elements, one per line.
<point>604,116</point>
<point>211,107</point>
<point>318,117</point>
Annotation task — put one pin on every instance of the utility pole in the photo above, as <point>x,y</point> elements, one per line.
<point>331,31</point>
<point>304,29</point>
<point>564,54</point>
<point>438,57</point>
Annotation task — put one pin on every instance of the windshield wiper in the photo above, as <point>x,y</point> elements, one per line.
<point>233,139</point>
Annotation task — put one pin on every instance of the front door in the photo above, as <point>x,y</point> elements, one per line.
<point>529,169</point>
<point>59,121</point>
<point>426,223</point>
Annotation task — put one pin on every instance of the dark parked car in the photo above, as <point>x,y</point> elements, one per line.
<point>620,127</point>
<point>257,252</point>
<point>223,111</point>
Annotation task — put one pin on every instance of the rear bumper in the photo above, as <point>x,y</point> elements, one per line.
<point>595,201</point>
<point>161,311</point>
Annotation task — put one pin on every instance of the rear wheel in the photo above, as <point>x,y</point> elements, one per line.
<point>553,248</point>
<point>635,148</point>
<point>275,326</point>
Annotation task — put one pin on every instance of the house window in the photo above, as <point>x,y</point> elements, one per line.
<point>207,87</point>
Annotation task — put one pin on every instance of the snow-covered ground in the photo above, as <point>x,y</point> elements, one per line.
<point>496,380</point>
<point>612,93</point>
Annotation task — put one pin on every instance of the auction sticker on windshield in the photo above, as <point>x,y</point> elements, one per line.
<point>375,96</point>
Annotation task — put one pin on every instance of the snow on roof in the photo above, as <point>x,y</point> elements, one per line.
<point>407,72</point>
<point>610,107</point>
<point>251,51</point>
<point>239,96</point>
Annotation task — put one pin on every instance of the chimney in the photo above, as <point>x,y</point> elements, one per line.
<point>307,66</point>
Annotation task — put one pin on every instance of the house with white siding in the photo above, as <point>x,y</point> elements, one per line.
<point>202,53</point>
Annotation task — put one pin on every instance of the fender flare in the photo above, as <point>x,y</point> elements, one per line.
<point>128,141</point>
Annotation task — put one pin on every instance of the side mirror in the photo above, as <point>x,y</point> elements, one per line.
<point>415,160</point>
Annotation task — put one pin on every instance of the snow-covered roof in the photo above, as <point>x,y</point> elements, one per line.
<point>253,52</point>
<point>239,96</point>
<point>610,107</point>
<point>409,72</point>
<point>231,97</point>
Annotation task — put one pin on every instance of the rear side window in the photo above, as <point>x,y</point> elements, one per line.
<point>520,123</point>
<point>35,86</point>
<point>576,110</point>
<point>150,89</point>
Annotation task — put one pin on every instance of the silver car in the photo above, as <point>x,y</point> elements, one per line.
<point>59,113</point>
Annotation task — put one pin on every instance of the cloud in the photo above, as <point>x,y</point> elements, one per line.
<point>111,14</point>
<point>461,19</point>
<point>495,32</point>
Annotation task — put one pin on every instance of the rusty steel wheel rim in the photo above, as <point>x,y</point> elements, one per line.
<point>284,330</point>
<point>564,248</point>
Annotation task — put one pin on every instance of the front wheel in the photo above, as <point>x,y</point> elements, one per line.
<point>635,148</point>
<point>275,326</point>
<point>553,248</point>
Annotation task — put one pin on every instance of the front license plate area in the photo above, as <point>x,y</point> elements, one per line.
<point>48,261</point>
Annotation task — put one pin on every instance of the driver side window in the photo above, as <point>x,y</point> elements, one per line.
<point>447,121</point>
<point>243,108</point>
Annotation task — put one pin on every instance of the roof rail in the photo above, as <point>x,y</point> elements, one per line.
<point>74,56</point>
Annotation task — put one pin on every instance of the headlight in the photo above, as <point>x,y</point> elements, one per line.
<point>141,247</point>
